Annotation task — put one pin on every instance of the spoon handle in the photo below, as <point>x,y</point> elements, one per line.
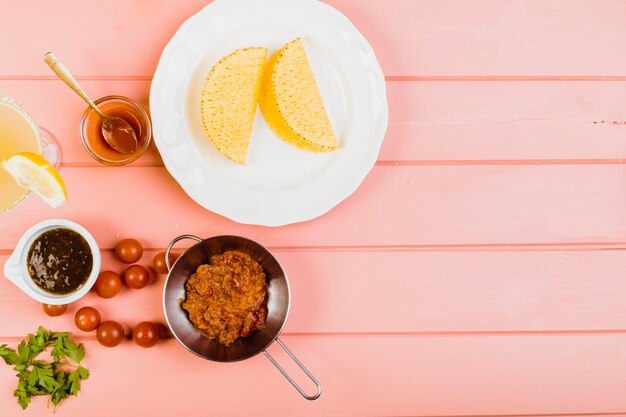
<point>67,77</point>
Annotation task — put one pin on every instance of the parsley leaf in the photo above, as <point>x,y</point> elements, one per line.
<point>74,380</point>
<point>36,377</point>
<point>71,350</point>
<point>32,377</point>
<point>9,355</point>
<point>23,398</point>
<point>24,351</point>
<point>58,353</point>
<point>83,372</point>
<point>46,377</point>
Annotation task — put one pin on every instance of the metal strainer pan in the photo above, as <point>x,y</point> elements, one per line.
<point>278,302</point>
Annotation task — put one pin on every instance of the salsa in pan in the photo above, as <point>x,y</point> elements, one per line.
<point>225,299</point>
<point>59,261</point>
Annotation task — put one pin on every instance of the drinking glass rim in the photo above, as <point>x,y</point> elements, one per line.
<point>13,104</point>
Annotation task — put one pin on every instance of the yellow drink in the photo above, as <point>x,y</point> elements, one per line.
<point>18,133</point>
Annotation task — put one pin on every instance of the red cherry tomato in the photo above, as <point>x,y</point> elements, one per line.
<point>129,250</point>
<point>110,333</point>
<point>136,276</point>
<point>108,284</point>
<point>87,319</point>
<point>54,310</point>
<point>158,263</point>
<point>146,334</point>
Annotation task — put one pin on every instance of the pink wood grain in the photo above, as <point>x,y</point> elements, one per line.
<point>441,292</point>
<point>509,122</point>
<point>430,122</point>
<point>472,205</point>
<point>366,376</point>
<point>477,271</point>
<point>425,38</point>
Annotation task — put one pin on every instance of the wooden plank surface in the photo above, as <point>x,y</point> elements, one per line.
<point>415,38</point>
<point>477,270</point>
<point>414,293</point>
<point>430,122</point>
<point>362,376</point>
<point>440,206</point>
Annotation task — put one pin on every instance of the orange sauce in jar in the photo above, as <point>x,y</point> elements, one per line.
<point>91,130</point>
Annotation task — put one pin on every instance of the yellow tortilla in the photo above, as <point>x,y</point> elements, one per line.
<point>291,102</point>
<point>229,98</point>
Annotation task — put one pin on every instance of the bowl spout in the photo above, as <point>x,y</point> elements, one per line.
<point>12,270</point>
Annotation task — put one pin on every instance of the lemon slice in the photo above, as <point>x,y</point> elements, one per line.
<point>34,173</point>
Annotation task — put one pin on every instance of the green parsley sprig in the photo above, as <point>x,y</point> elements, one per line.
<point>58,379</point>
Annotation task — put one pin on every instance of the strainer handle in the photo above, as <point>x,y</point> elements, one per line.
<point>289,378</point>
<point>172,243</point>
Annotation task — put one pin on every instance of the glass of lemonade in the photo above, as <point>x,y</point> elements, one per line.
<point>20,133</point>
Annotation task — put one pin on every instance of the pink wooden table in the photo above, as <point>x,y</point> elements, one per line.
<point>478,270</point>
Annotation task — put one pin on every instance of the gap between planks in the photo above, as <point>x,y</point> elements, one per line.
<point>447,333</point>
<point>405,163</point>
<point>463,247</point>
<point>388,78</point>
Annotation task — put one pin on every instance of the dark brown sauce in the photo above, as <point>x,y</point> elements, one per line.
<point>59,261</point>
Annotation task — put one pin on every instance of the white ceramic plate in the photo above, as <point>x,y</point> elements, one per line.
<point>280,184</point>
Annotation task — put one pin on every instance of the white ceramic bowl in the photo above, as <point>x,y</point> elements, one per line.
<point>16,270</point>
